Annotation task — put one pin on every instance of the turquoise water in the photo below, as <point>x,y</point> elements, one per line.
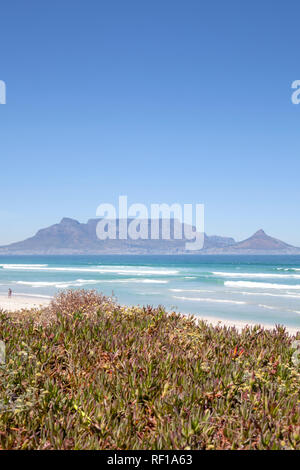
<point>264,289</point>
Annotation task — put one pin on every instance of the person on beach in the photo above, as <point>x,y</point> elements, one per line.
<point>9,293</point>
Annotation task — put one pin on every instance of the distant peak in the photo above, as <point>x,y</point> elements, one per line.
<point>260,232</point>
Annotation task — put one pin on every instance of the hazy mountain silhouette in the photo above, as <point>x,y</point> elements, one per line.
<point>72,237</point>
<point>259,243</point>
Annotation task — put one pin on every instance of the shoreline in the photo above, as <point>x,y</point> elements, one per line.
<point>27,301</point>
<point>22,301</point>
<point>240,324</point>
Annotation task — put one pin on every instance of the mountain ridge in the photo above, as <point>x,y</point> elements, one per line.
<point>261,243</point>
<point>70,236</point>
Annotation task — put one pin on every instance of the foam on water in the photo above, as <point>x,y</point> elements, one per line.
<point>191,290</point>
<point>259,289</point>
<point>39,296</point>
<point>120,270</point>
<point>137,281</point>
<point>83,282</point>
<point>288,269</point>
<point>269,307</point>
<point>203,299</point>
<point>23,266</point>
<point>268,294</point>
<point>258,275</point>
<point>60,285</point>
<point>260,285</point>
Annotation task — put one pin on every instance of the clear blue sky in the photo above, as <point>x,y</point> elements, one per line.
<point>183,101</point>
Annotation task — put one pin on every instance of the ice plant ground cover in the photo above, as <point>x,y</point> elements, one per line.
<point>88,374</point>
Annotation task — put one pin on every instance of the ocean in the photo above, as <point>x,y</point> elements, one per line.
<point>254,289</point>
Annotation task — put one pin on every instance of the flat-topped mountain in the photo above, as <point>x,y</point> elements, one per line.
<point>72,237</point>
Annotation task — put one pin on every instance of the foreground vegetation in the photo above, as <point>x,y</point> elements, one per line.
<point>88,374</point>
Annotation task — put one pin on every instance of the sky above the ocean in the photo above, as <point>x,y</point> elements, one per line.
<point>164,101</point>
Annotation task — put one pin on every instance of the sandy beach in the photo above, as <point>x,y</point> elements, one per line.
<point>18,302</point>
<point>239,325</point>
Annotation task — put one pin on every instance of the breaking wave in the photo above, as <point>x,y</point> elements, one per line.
<point>191,290</point>
<point>23,266</point>
<point>121,270</point>
<point>258,275</point>
<point>203,299</point>
<point>268,294</point>
<point>261,285</point>
<point>86,282</point>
